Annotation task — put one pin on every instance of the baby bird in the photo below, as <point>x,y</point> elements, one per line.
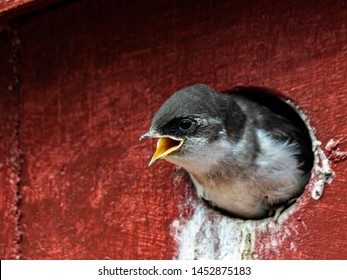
<point>242,156</point>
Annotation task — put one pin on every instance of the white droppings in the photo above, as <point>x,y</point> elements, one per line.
<point>322,174</point>
<point>209,235</point>
<point>304,224</point>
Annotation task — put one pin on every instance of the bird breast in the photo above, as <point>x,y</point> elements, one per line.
<point>225,175</point>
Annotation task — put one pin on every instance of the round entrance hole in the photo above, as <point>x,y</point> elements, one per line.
<point>282,106</point>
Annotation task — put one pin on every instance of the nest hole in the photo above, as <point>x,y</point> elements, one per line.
<point>279,104</point>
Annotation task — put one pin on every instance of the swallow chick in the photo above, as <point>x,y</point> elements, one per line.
<point>241,156</point>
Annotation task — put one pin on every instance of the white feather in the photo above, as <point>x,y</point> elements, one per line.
<point>273,175</point>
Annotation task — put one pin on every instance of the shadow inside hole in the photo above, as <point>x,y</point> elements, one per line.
<point>276,103</point>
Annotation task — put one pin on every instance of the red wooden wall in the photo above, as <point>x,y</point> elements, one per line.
<point>79,83</point>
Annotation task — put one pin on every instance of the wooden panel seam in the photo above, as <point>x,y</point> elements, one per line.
<point>15,158</point>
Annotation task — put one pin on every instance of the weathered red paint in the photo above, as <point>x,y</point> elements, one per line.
<point>6,6</point>
<point>12,9</point>
<point>92,73</point>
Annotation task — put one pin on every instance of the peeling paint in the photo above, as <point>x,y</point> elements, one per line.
<point>334,152</point>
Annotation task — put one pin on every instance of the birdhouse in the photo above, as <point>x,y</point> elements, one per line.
<point>80,82</point>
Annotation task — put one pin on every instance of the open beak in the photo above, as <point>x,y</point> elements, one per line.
<point>166,145</point>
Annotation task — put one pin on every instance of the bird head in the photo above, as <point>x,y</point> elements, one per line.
<point>187,123</point>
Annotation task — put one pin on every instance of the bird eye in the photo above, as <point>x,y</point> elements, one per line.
<point>185,124</point>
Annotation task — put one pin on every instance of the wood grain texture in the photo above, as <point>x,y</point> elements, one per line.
<point>94,72</point>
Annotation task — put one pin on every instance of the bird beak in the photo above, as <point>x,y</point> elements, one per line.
<point>165,145</point>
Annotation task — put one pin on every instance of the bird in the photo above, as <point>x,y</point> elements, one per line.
<point>244,157</point>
